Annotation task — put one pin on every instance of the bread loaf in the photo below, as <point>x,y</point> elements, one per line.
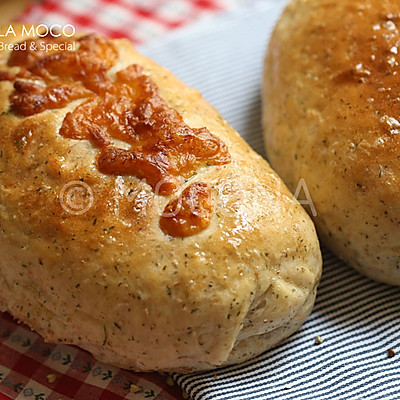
<point>135,222</point>
<point>332,117</point>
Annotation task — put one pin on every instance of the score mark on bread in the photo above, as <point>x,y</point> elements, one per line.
<point>162,148</point>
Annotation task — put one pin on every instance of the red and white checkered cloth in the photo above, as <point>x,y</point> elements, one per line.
<point>32,369</point>
<point>29,368</point>
<point>138,20</point>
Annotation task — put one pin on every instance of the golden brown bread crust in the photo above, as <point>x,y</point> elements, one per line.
<point>111,281</point>
<point>332,117</point>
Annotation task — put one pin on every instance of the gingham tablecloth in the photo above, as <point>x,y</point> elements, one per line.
<point>32,369</point>
<point>357,319</point>
<point>137,20</point>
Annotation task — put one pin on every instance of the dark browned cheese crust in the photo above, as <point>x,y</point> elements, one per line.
<point>162,149</point>
<point>190,213</point>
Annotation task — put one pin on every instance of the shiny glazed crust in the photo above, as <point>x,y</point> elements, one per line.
<point>331,116</point>
<point>111,281</point>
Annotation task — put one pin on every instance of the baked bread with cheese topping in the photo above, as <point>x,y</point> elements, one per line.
<point>135,222</point>
<point>332,117</point>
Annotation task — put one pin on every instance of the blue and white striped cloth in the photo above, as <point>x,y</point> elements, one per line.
<point>358,320</point>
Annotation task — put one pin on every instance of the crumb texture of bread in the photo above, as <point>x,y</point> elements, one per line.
<point>113,279</point>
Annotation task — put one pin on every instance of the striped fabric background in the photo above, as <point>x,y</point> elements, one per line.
<point>358,320</point>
